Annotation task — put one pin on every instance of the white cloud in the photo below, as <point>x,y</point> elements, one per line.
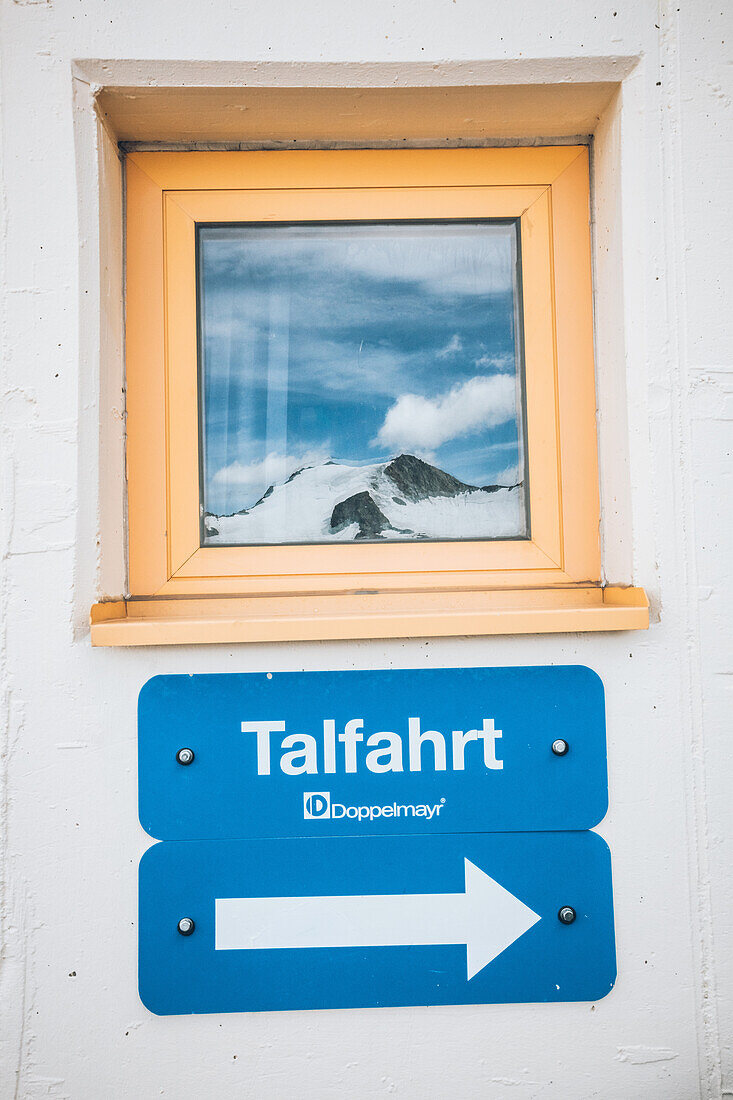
<point>497,362</point>
<point>454,345</point>
<point>442,259</point>
<point>510,476</point>
<point>416,423</point>
<point>255,477</point>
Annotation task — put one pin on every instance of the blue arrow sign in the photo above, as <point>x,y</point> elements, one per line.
<point>368,921</point>
<point>317,754</point>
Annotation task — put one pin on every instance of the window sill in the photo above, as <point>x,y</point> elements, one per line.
<point>195,621</point>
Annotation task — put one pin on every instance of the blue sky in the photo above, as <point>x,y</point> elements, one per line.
<point>356,343</point>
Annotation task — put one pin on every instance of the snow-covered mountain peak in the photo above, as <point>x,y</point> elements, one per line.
<point>405,498</point>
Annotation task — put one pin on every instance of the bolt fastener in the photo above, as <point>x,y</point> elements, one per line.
<point>560,747</point>
<point>186,926</point>
<point>566,915</point>
<point>185,756</point>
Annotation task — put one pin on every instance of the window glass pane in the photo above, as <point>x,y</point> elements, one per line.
<point>361,382</point>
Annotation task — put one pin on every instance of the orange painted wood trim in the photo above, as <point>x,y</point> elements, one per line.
<point>429,588</point>
<point>187,559</point>
<point>182,622</point>
<point>231,170</point>
<point>145,382</point>
<point>543,442</point>
<point>360,559</point>
<point>576,392</point>
<point>109,609</point>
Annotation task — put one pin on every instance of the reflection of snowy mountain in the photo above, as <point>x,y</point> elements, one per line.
<point>402,499</point>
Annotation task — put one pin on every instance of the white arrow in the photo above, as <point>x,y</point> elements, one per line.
<point>486,917</point>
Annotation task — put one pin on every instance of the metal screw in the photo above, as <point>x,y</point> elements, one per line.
<point>566,915</point>
<point>560,747</point>
<point>186,926</point>
<point>185,756</point>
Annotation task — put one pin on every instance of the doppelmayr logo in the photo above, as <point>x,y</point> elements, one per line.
<point>318,804</point>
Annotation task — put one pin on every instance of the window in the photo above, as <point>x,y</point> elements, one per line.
<point>360,381</point>
<point>361,397</point>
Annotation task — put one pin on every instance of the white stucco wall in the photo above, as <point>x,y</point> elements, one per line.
<point>71,1024</point>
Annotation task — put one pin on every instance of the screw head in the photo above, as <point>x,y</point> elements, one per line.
<point>185,756</point>
<point>186,926</point>
<point>566,915</point>
<point>560,747</point>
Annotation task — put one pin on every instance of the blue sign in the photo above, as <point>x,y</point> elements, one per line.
<point>317,754</point>
<point>250,925</point>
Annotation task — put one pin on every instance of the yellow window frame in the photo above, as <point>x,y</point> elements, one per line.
<point>181,591</point>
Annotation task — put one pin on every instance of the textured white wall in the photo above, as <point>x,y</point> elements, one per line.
<point>71,1024</point>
